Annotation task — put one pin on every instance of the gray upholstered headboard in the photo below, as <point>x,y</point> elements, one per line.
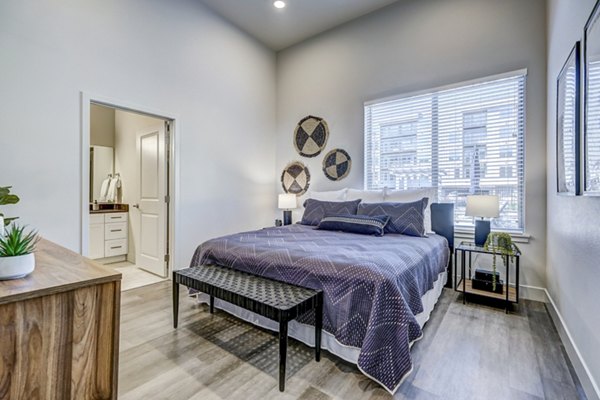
<point>442,223</point>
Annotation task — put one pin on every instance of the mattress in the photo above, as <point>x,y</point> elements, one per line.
<point>377,290</point>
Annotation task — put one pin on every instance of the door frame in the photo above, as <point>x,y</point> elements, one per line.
<point>172,220</point>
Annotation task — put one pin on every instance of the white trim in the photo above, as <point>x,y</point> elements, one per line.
<point>590,386</point>
<point>505,75</point>
<point>174,173</point>
<point>534,293</point>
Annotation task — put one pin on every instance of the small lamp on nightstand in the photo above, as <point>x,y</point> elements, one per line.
<point>287,202</point>
<point>482,206</point>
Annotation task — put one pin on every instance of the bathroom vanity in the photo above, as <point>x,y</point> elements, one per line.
<point>109,233</point>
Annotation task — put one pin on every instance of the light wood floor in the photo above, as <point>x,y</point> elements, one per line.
<point>468,352</point>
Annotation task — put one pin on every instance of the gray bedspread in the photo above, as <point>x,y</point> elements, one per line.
<point>372,285</point>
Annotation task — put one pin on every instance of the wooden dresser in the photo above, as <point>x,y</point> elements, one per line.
<point>59,329</point>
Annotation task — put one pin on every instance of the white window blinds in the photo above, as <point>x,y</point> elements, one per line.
<point>468,139</point>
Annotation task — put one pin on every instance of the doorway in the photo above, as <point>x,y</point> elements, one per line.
<point>127,213</point>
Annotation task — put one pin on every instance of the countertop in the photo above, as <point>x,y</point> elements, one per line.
<point>107,211</point>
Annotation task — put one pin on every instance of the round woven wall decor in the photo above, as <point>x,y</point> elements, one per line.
<point>337,164</point>
<point>295,178</point>
<point>310,136</point>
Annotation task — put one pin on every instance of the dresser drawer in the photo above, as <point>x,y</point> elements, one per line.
<point>115,217</point>
<point>116,230</point>
<point>115,247</point>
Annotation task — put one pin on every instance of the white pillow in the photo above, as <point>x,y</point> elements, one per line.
<point>406,196</point>
<point>367,196</point>
<point>332,195</point>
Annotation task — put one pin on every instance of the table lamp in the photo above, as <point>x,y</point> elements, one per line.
<point>482,206</point>
<point>287,201</point>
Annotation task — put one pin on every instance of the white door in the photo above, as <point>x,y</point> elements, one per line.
<point>152,243</point>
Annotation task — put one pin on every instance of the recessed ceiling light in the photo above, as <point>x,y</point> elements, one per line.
<point>279,4</point>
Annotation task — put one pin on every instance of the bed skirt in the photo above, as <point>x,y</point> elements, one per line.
<point>305,333</point>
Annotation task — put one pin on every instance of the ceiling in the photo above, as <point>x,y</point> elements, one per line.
<point>299,20</point>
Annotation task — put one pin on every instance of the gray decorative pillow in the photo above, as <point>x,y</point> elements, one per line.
<point>405,218</point>
<point>361,224</point>
<point>315,210</point>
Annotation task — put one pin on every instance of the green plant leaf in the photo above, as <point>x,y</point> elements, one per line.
<point>8,199</point>
<point>17,242</point>
<point>7,221</point>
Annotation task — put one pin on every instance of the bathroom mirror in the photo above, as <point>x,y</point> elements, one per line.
<point>101,167</point>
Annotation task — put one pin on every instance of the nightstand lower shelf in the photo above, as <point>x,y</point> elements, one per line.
<point>464,263</point>
<point>512,291</point>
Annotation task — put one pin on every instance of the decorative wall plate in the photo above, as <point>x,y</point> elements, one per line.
<point>295,178</point>
<point>337,164</point>
<point>310,136</point>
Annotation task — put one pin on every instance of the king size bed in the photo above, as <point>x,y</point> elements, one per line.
<point>378,291</point>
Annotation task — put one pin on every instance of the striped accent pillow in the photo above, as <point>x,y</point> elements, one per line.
<point>361,224</point>
<point>405,218</point>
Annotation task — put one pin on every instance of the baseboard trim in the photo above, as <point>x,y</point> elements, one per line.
<point>589,384</point>
<point>534,293</point>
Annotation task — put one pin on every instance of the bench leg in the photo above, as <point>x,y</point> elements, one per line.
<point>283,341</point>
<point>175,303</point>
<point>212,304</point>
<point>318,328</point>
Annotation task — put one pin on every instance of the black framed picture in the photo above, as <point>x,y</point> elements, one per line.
<point>568,126</point>
<point>591,132</point>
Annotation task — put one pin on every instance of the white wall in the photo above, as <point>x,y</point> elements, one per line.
<point>174,56</point>
<point>102,126</point>
<point>127,126</point>
<point>573,250</point>
<point>410,46</point>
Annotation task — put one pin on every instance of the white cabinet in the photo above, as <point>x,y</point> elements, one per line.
<point>113,248</point>
<point>116,230</point>
<point>96,240</point>
<point>108,235</point>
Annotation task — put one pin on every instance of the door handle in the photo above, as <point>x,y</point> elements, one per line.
<point>136,206</point>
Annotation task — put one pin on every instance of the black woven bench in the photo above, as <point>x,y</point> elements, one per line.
<point>272,299</point>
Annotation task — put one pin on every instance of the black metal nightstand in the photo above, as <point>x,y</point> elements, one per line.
<point>464,284</point>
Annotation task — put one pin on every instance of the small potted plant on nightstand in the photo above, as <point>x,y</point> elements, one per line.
<point>500,243</point>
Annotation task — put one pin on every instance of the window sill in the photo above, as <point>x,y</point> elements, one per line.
<point>468,233</point>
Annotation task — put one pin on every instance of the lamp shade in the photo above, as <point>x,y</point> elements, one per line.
<point>287,201</point>
<point>483,206</point>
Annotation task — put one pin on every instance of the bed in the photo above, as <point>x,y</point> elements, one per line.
<point>378,291</point>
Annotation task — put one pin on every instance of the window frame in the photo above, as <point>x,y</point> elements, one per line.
<point>521,184</point>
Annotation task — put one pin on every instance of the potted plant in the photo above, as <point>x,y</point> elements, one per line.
<point>500,243</point>
<point>16,252</point>
<point>6,198</point>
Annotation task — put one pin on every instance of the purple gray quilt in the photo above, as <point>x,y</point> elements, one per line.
<point>372,285</point>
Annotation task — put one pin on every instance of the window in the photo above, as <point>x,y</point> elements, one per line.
<point>506,171</point>
<point>474,143</point>
<point>464,140</point>
<point>506,152</point>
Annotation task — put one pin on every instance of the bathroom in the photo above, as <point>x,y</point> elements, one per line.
<point>128,193</point>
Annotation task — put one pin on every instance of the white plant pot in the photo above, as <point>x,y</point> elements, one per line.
<point>16,267</point>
